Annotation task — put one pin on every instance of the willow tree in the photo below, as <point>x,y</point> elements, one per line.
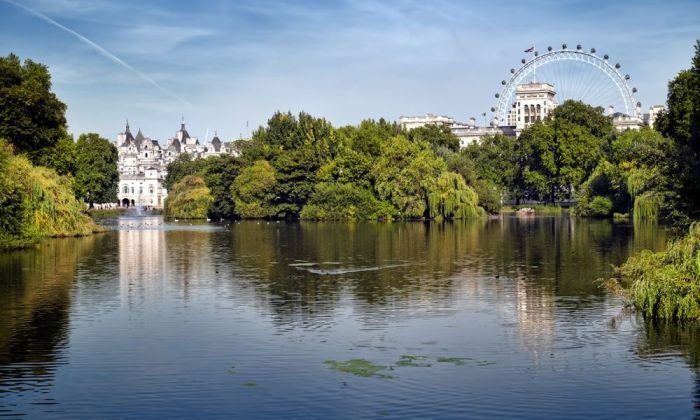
<point>451,198</point>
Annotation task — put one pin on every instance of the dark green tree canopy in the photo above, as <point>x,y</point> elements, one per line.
<point>96,177</point>
<point>437,135</point>
<point>681,120</point>
<point>31,116</point>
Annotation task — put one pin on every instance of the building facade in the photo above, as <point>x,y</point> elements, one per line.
<point>143,163</point>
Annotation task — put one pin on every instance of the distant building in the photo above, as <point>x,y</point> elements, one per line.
<point>533,102</point>
<point>650,117</point>
<point>409,123</point>
<point>142,163</point>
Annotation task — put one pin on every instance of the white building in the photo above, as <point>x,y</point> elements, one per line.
<point>143,164</point>
<point>409,123</point>
<point>650,117</point>
<point>533,102</point>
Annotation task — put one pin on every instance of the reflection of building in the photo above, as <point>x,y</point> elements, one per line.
<point>143,163</point>
<point>142,261</point>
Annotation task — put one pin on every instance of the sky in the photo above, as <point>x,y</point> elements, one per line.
<point>227,66</point>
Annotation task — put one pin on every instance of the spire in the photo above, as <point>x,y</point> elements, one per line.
<point>127,126</point>
<point>182,125</point>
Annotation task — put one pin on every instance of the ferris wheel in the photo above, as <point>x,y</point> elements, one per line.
<point>575,74</point>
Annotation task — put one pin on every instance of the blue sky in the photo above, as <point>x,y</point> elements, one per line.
<point>223,64</point>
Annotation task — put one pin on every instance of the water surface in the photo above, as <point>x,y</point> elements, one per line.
<point>493,318</point>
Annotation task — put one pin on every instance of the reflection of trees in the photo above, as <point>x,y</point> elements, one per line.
<point>664,338</point>
<point>34,308</point>
<point>537,258</point>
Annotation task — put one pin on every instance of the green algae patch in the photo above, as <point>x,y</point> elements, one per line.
<point>485,363</point>
<point>409,360</point>
<point>357,367</point>
<point>249,384</point>
<point>457,361</point>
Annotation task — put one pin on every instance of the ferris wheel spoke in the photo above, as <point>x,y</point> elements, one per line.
<point>575,75</point>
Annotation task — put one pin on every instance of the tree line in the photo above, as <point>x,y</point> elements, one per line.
<point>45,176</point>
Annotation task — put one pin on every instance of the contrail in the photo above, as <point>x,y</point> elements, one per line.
<point>99,49</point>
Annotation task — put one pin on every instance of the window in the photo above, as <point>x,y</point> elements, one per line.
<point>147,153</point>
<point>126,189</point>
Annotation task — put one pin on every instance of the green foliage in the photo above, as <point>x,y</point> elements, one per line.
<point>182,166</point>
<point>437,136</point>
<point>590,119</point>
<point>404,173</point>
<point>31,116</point>
<point>62,157</point>
<point>681,123</point>
<point>601,206</point>
<point>96,176</point>
<point>189,199</point>
<point>666,285</point>
<point>647,206</point>
<point>451,198</point>
<point>345,201</point>
<point>253,191</point>
<point>36,202</point>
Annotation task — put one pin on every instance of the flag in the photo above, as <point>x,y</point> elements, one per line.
<point>531,49</point>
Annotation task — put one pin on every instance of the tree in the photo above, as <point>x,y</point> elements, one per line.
<point>219,174</point>
<point>31,116</point>
<point>182,166</point>
<point>585,116</point>
<point>62,156</point>
<point>438,136</point>
<point>681,120</point>
<point>96,176</point>
<point>253,191</point>
<point>189,199</point>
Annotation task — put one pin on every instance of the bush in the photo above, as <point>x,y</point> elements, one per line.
<point>189,199</point>
<point>345,201</point>
<point>666,285</point>
<point>601,206</point>
<point>36,202</point>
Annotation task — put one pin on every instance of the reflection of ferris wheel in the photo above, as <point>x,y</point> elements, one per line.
<point>575,74</point>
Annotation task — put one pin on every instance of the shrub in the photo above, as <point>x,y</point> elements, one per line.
<point>666,285</point>
<point>600,206</point>
<point>189,199</point>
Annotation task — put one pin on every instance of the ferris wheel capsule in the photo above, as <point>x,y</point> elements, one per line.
<point>592,50</point>
<point>549,48</point>
<point>617,65</point>
<point>634,90</point>
<point>522,61</point>
<point>503,82</point>
<point>493,109</point>
<point>536,53</point>
<point>512,71</point>
<point>578,47</point>
<point>498,95</point>
<point>605,57</point>
<point>627,77</point>
<point>563,46</point>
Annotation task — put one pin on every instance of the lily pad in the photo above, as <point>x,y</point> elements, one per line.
<point>409,360</point>
<point>357,367</point>
<point>457,361</point>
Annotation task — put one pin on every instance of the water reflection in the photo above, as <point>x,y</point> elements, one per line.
<point>35,300</point>
<point>152,306</point>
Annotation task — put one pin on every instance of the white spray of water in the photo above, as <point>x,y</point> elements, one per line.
<point>97,47</point>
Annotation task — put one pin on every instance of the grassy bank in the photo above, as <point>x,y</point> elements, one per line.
<point>37,203</point>
<point>665,285</point>
<point>104,213</point>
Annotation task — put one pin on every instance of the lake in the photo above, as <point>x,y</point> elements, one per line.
<point>496,318</point>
